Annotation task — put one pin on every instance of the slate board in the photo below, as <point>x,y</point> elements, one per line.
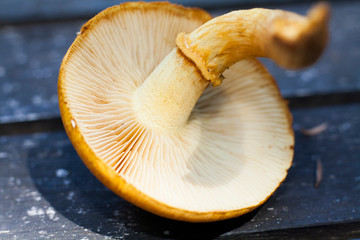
<point>31,55</point>
<point>46,192</point>
<point>15,11</point>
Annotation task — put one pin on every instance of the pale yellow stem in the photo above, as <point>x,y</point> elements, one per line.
<point>291,40</point>
<point>169,94</point>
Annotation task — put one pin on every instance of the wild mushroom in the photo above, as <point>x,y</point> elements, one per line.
<point>141,116</point>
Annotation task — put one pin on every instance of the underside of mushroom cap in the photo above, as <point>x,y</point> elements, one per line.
<point>232,153</point>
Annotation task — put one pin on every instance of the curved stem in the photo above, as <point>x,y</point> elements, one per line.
<point>291,40</point>
<point>168,96</point>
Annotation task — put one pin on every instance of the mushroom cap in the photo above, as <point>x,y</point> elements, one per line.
<point>228,159</point>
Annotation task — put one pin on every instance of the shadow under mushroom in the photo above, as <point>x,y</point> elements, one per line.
<point>69,187</point>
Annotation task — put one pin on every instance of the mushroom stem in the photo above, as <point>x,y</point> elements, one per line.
<point>291,40</point>
<point>169,94</point>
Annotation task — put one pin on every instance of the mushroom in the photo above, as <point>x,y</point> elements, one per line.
<point>137,104</point>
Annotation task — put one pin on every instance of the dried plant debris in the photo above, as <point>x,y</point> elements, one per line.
<point>314,130</point>
<point>319,173</point>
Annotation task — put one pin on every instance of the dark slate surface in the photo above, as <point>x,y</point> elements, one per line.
<point>31,55</point>
<point>46,192</point>
<point>14,11</point>
<point>29,66</point>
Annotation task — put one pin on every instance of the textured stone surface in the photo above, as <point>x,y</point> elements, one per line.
<point>46,192</point>
<point>45,10</point>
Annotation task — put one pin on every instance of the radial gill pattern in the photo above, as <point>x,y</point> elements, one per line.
<point>233,151</point>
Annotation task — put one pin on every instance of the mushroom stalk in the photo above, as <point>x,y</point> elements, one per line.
<point>169,94</point>
<point>291,40</point>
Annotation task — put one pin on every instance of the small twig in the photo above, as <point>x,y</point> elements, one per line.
<point>319,173</point>
<point>315,130</point>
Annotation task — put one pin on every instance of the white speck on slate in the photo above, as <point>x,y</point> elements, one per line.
<point>61,173</point>
<point>300,92</point>
<point>14,181</point>
<point>37,100</point>
<point>73,123</point>
<point>29,143</point>
<point>81,211</point>
<point>50,212</point>
<point>309,75</point>
<point>32,116</point>
<point>270,209</point>
<point>35,196</point>
<point>67,182</point>
<point>34,211</point>
<point>4,231</point>
<point>2,71</point>
<point>3,154</point>
<point>70,195</point>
